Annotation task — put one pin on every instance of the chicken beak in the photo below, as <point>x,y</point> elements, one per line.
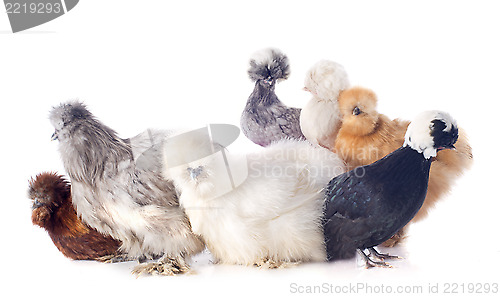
<point>36,204</point>
<point>194,173</point>
<point>55,136</point>
<point>270,82</point>
<point>308,90</point>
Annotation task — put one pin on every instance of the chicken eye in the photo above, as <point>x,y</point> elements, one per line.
<point>356,111</point>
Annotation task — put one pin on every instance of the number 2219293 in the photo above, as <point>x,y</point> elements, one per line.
<point>33,8</point>
<point>472,288</point>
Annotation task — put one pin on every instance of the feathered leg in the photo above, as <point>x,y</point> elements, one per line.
<point>116,258</point>
<point>273,264</point>
<point>397,238</point>
<point>165,266</point>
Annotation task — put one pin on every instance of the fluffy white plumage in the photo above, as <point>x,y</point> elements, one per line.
<point>326,79</point>
<point>274,215</point>
<point>320,119</point>
<point>417,135</point>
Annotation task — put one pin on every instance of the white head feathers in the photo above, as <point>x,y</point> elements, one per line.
<point>326,79</point>
<point>266,56</point>
<point>421,136</point>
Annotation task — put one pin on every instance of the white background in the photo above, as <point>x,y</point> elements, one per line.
<point>141,64</point>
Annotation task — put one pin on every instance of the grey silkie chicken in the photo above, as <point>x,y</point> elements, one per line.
<point>366,206</point>
<point>265,118</point>
<point>117,188</point>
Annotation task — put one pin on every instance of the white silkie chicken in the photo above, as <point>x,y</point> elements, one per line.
<point>271,219</point>
<point>320,119</point>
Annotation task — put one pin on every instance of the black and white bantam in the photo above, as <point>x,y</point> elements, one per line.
<point>366,206</point>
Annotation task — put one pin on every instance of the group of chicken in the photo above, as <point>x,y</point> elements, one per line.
<point>333,179</point>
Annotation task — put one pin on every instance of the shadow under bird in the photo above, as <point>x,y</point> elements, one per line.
<point>265,118</point>
<point>117,188</point>
<point>366,206</point>
<point>53,211</point>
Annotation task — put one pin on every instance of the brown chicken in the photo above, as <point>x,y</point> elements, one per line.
<point>366,136</point>
<point>53,211</point>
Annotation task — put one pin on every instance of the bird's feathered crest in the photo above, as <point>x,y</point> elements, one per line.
<point>431,131</point>
<point>269,64</point>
